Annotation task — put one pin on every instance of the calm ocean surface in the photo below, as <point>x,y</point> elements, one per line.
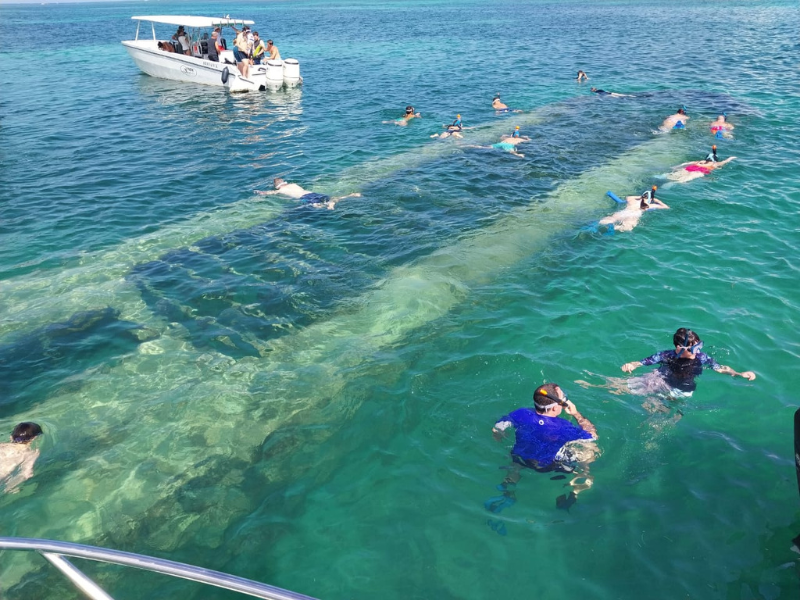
<point>305,397</point>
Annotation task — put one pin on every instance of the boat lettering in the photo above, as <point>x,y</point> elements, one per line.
<point>188,70</point>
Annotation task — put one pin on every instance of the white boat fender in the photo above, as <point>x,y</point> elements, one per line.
<point>225,75</point>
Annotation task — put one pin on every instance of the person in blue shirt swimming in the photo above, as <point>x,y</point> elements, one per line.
<point>679,367</point>
<point>545,443</point>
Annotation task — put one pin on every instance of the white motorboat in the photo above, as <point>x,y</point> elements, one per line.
<point>197,68</point>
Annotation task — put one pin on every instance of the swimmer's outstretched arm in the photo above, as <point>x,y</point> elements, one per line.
<point>629,367</point>
<point>725,370</point>
<point>267,193</point>
<point>726,161</point>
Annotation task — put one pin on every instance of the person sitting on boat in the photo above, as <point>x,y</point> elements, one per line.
<point>213,54</point>
<point>17,457</point>
<point>292,190</point>
<point>166,46</point>
<point>221,43</point>
<point>273,51</point>
<point>258,49</point>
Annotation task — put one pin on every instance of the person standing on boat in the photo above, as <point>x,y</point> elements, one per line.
<point>258,49</point>
<point>183,41</point>
<point>273,51</point>
<point>220,41</point>
<point>241,52</point>
<point>213,55</point>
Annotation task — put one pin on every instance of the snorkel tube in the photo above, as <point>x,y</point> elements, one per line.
<point>691,349</point>
<point>712,156</point>
<point>647,198</point>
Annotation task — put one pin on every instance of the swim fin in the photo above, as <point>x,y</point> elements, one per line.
<point>498,503</point>
<point>566,501</point>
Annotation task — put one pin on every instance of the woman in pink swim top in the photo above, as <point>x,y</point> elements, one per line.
<point>698,168</point>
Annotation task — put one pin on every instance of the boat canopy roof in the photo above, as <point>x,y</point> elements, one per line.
<point>189,21</point>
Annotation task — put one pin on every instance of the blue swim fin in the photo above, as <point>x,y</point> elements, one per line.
<point>498,503</point>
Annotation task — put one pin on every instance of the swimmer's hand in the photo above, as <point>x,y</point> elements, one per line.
<point>629,367</point>
<point>749,375</point>
<point>498,434</point>
<point>570,409</point>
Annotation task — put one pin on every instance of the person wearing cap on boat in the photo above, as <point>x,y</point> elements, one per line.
<point>628,218</point>
<point>258,49</point>
<point>273,51</point>
<point>220,42</point>
<point>18,457</point>
<point>292,190</point>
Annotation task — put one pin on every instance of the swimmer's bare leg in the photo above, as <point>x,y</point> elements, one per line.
<point>615,385</point>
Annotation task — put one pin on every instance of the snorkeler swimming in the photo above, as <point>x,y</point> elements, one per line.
<point>582,76</point>
<point>698,168</point>
<point>594,90</point>
<point>721,128</point>
<point>292,190</point>
<point>678,368</point>
<point>409,114</point>
<point>454,129</point>
<point>676,121</point>
<point>501,107</point>
<point>545,443</point>
<point>508,143</point>
<point>628,218</point>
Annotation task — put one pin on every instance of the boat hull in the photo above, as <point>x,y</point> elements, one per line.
<point>180,67</point>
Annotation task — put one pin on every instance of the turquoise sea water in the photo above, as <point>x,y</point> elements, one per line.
<point>305,397</point>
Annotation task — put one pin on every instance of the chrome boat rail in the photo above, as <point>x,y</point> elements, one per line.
<point>56,551</point>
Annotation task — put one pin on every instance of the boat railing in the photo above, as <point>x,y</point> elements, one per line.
<point>55,552</point>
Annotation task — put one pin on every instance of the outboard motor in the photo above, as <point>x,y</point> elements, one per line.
<point>274,73</point>
<point>291,72</point>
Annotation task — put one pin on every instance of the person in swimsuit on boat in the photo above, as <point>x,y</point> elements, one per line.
<point>545,443</point>
<point>292,190</point>
<point>628,218</point>
<point>582,76</point>
<point>499,106</point>
<point>676,121</point>
<point>18,457</point>
<point>721,128</point>
<point>699,168</point>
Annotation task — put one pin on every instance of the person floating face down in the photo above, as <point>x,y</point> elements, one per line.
<point>676,121</point>
<point>545,443</point>
<point>698,168</point>
<point>18,457</point>
<point>636,206</point>
<point>292,190</point>
<point>681,366</point>
<point>720,127</point>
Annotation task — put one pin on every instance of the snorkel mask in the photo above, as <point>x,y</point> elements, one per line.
<point>685,346</point>
<point>558,401</point>
<point>712,156</point>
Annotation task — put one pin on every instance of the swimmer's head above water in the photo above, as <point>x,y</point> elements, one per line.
<point>687,343</point>
<point>647,198</point>
<point>278,183</point>
<point>546,397</point>
<point>25,433</point>
<point>409,109</point>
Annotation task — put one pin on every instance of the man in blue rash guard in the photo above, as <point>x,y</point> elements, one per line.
<point>546,443</point>
<point>679,367</point>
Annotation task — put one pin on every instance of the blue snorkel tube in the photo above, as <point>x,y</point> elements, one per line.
<point>615,198</point>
